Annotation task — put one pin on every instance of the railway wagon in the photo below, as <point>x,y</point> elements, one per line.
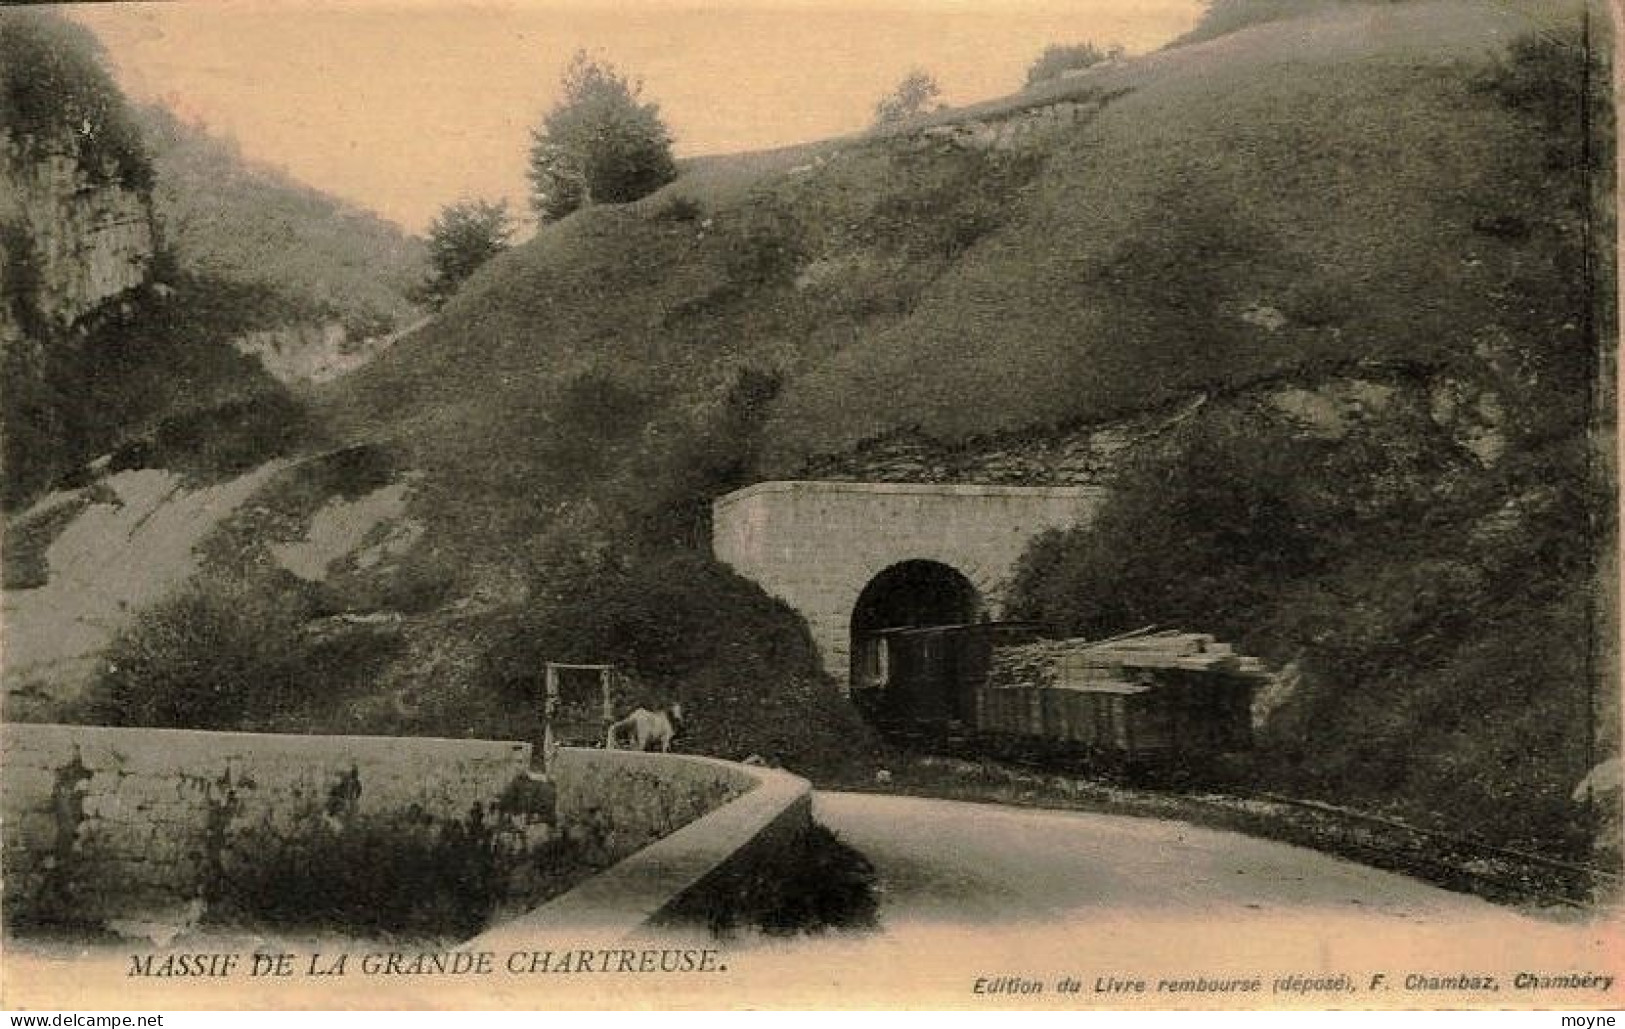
<point>1135,721</point>
<point>930,677</point>
<point>1146,699</point>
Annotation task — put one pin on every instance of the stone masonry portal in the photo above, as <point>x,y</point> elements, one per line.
<point>819,545</point>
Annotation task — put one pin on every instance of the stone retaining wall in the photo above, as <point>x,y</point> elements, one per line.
<point>111,825</point>
<point>101,823</point>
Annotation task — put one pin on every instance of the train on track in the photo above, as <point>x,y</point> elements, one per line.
<point>1145,699</point>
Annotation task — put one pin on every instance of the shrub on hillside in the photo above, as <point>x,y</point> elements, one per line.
<point>679,209</point>
<point>596,417</point>
<point>686,627</point>
<point>1447,694</point>
<point>416,582</point>
<point>1058,59</point>
<point>238,654</point>
<point>1211,528</point>
<point>768,247</point>
<point>228,438</point>
<point>698,460</point>
<point>936,206</point>
<point>217,655</point>
<point>915,95</point>
<point>464,236</point>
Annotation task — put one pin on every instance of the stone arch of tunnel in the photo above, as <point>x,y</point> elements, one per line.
<point>907,594</point>
<point>828,549</point>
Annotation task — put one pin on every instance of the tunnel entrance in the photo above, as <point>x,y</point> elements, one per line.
<point>906,596</point>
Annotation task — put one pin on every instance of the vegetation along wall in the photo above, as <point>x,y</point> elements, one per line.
<point>102,823</point>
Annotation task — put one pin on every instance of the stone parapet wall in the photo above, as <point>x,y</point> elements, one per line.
<point>100,822</point>
<point>624,800</point>
<point>687,867</point>
<point>108,825</point>
<point>1026,128</point>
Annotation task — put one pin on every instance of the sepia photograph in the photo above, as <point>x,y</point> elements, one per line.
<point>985,505</point>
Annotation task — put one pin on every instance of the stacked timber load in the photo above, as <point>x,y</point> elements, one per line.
<point>1116,662</point>
<point>1148,695</point>
<point>1029,664</point>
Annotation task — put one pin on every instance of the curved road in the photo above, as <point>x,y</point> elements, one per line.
<point>1143,911</point>
<point>951,861</point>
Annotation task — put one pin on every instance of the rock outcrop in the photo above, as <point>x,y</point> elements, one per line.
<point>1454,413</point>
<point>73,243</point>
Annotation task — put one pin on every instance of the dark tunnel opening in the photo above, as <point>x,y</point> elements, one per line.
<point>908,595</point>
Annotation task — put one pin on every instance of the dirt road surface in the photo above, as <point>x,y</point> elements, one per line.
<point>950,861</point>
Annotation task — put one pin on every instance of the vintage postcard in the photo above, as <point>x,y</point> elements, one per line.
<point>1007,504</point>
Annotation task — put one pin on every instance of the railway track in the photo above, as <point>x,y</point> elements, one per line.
<point>1451,860</point>
<point>1456,862</point>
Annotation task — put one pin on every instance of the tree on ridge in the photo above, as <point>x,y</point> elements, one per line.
<point>600,143</point>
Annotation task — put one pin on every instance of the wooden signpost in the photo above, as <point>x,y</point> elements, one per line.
<point>551,701</point>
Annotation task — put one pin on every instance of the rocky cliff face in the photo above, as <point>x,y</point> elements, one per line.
<point>1458,416</point>
<point>78,242</point>
<point>72,243</point>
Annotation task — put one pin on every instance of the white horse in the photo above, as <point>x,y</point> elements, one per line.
<point>644,727</point>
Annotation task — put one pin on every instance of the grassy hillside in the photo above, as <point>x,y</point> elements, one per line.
<point>1307,173</point>
<point>1372,189</point>
<point>1223,17</point>
<point>317,257</point>
<point>1344,178</point>
<point>1274,201</point>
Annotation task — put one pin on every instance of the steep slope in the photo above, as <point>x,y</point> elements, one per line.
<point>131,423</point>
<point>116,548</point>
<point>1287,200</point>
<point>1278,199</point>
<point>322,260</point>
